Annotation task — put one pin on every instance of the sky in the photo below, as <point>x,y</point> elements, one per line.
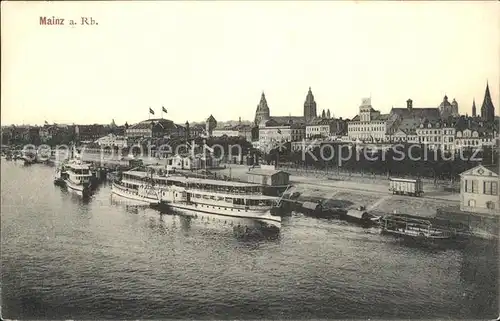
<point>202,58</point>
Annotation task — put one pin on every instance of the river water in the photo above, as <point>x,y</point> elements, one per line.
<point>63,258</point>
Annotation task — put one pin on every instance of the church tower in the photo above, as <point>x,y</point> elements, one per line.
<point>474,112</point>
<point>454,108</point>
<point>310,107</point>
<point>328,115</point>
<point>487,109</point>
<point>262,112</point>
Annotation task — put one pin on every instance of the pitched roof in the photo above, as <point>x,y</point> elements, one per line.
<point>265,172</point>
<point>420,113</point>
<point>165,123</point>
<point>493,168</point>
<point>286,120</point>
<point>382,117</point>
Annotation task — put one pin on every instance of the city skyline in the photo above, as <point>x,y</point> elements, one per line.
<point>344,51</point>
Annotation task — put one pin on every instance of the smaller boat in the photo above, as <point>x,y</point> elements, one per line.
<point>414,228</point>
<point>60,175</point>
<point>361,216</point>
<point>320,210</point>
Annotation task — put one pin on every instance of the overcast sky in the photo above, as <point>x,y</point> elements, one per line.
<point>202,58</point>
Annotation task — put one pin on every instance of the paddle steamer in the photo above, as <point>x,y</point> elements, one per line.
<point>76,176</point>
<point>137,185</point>
<point>226,198</point>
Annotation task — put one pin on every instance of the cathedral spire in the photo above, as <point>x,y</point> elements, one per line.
<point>474,107</point>
<point>487,109</point>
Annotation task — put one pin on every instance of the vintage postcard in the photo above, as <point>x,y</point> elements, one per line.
<point>250,160</point>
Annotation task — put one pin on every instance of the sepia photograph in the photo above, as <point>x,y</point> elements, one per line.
<point>250,160</point>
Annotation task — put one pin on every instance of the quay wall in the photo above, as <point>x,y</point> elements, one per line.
<point>480,225</point>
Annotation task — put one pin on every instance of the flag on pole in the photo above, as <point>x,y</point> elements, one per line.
<point>151,111</point>
<point>163,109</point>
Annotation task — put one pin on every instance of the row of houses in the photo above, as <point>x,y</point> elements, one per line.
<point>57,133</point>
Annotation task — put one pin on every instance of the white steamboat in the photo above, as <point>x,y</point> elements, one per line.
<point>137,186</point>
<point>227,198</point>
<point>77,177</point>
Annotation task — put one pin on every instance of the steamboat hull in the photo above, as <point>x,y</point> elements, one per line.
<point>250,217</point>
<point>133,195</point>
<point>436,242</point>
<point>59,182</point>
<point>80,190</point>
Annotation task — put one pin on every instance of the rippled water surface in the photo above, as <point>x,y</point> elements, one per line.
<point>63,258</point>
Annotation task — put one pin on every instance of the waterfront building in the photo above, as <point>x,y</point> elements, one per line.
<point>89,133</point>
<point>60,133</point>
<point>196,130</point>
<point>487,109</point>
<point>21,134</point>
<point>112,140</point>
<point>409,119</point>
<point>369,124</point>
<point>155,128</point>
<point>268,176</point>
<point>323,128</point>
<point>436,135</point>
<point>191,162</point>
<point>479,190</point>
<point>474,132</point>
<point>240,130</point>
<point>275,132</point>
<point>476,138</point>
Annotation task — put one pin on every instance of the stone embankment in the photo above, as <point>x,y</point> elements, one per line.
<point>374,194</point>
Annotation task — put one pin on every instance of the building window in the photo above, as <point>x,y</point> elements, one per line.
<point>490,188</point>
<point>472,203</point>
<point>471,186</point>
<point>490,205</point>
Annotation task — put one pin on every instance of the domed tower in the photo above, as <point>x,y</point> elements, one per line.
<point>262,112</point>
<point>445,108</point>
<point>310,107</point>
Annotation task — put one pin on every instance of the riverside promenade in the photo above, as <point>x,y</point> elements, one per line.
<point>350,190</point>
<point>359,191</point>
